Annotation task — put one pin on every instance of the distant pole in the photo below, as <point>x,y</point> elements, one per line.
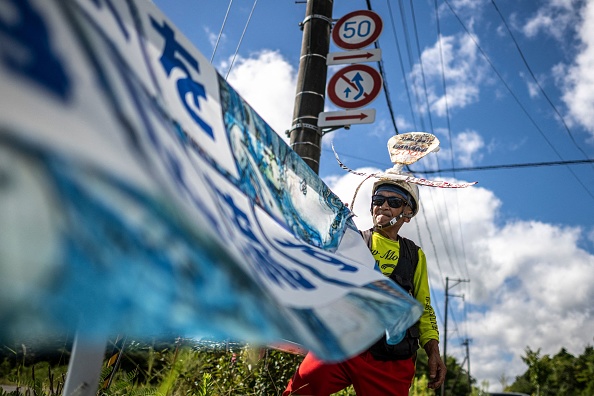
<point>466,343</point>
<point>445,326</point>
<point>305,135</point>
<point>445,335</point>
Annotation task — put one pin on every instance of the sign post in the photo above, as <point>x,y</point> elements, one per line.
<point>357,85</point>
<point>305,136</point>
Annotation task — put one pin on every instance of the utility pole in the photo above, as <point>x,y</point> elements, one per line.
<point>305,135</point>
<point>466,343</point>
<point>445,326</point>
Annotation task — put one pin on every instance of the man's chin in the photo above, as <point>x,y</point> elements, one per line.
<point>382,220</point>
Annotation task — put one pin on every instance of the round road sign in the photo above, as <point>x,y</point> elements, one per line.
<point>357,29</point>
<point>354,86</point>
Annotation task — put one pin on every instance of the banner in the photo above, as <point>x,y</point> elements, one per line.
<point>140,195</point>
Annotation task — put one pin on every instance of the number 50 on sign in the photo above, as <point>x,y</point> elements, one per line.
<point>357,29</point>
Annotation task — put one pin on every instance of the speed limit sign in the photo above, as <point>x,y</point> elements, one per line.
<point>357,29</point>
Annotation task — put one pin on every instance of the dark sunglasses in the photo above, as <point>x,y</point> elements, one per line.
<point>394,202</point>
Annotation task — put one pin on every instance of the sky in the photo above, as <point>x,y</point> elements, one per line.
<point>499,83</point>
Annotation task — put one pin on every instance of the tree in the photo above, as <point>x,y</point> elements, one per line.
<point>563,374</point>
<point>584,368</point>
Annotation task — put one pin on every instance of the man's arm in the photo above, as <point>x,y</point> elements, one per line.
<point>437,369</point>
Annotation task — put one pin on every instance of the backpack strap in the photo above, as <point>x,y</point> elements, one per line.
<point>404,273</point>
<point>367,236</point>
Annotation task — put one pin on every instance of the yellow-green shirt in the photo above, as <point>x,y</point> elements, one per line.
<point>386,253</point>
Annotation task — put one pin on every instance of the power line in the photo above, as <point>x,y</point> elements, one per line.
<point>404,79</point>
<point>473,168</point>
<point>241,38</point>
<point>506,85</point>
<point>408,41</point>
<point>548,99</point>
<point>380,65</point>
<point>214,51</point>
<point>507,166</point>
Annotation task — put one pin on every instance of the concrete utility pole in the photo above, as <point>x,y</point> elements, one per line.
<point>466,343</point>
<point>306,136</point>
<point>445,326</point>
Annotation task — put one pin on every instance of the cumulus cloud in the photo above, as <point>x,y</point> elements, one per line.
<point>528,279</point>
<point>554,18</point>
<point>267,82</point>
<point>467,146</point>
<point>463,70</point>
<point>579,76</point>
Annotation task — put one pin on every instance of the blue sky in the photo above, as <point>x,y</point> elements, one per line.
<point>523,236</point>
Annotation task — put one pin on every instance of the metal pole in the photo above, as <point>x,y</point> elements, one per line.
<point>84,367</point>
<point>445,330</point>
<point>305,135</point>
<point>466,342</point>
<point>445,335</point>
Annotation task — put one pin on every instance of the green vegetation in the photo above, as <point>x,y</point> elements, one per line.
<point>182,367</point>
<point>562,374</point>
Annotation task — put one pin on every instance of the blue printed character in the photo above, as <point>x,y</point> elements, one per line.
<point>170,59</point>
<point>26,49</point>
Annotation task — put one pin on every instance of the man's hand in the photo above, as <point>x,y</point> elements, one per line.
<point>437,369</point>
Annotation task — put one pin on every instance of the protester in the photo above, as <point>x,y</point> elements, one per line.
<point>383,369</point>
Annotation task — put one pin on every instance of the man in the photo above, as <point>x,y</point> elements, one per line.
<point>384,369</point>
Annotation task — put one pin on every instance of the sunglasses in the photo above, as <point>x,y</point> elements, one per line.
<point>393,202</point>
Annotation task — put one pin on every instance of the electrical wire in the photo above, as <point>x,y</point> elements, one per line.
<point>515,97</point>
<point>420,57</point>
<point>221,31</point>
<point>447,108</point>
<point>380,64</point>
<point>407,41</point>
<point>404,79</point>
<point>241,39</point>
<point>537,82</point>
<point>505,166</point>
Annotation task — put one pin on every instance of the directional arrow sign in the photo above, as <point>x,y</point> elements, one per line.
<point>354,86</point>
<point>359,56</point>
<point>349,117</point>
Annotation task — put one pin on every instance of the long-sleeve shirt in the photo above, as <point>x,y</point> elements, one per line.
<point>386,253</point>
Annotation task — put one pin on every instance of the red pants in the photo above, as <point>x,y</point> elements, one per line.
<point>369,377</point>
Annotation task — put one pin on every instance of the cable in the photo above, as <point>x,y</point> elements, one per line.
<point>483,53</point>
<point>221,32</point>
<point>380,64</point>
<point>241,38</point>
<point>536,81</point>
<point>410,103</point>
<point>410,62</point>
<point>414,21</point>
<point>447,108</point>
<point>506,166</point>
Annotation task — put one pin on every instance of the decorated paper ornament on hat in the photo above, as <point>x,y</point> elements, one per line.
<point>405,149</point>
<point>408,148</point>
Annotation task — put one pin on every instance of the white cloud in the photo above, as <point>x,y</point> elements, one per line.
<point>591,235</point>
<point>467,146</point>
<point>579,77</point>
<point>530,282</point>
<point>267,82</point>
<point>213,37</point>
<point>468,5</point>
<point>462,68</point>
<point>553,19</point>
